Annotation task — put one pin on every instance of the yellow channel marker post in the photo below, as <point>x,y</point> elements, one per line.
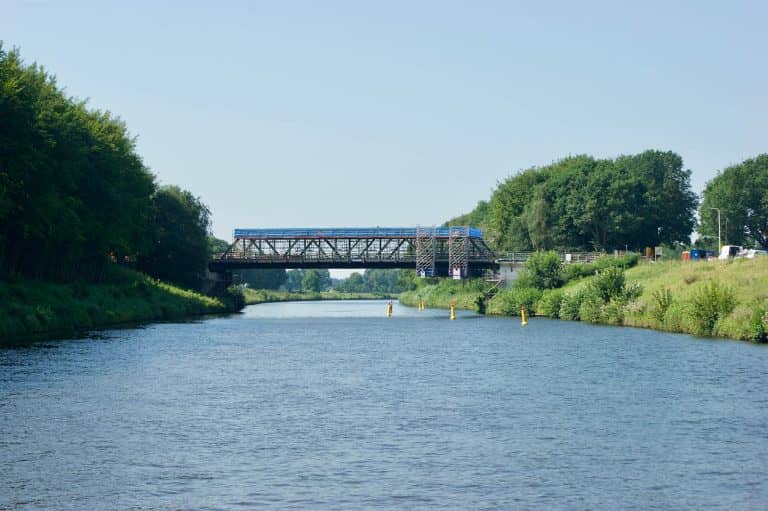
<point>523,315</point>
<point>389,309</point>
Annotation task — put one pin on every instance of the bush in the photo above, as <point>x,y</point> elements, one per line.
<point>662,299</point>
<point>747,323</point>
<point>608,283</point>
<point>613,312</point>
<point>511,301</point>
<point>710,303</point>
<point>577,270</point>
<point>591,306</point>
<point>677,318</point>
<point>543,270</point>
<point>550,302</point>
<point>570,305</point>
<point>623,262</point>
<point>234,297</point>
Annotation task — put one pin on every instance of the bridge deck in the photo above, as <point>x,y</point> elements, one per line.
<point>345,233</point>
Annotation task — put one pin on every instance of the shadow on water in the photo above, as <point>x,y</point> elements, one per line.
<point>102,333</point>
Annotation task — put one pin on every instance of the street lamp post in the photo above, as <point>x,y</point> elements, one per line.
<point>719,246</point>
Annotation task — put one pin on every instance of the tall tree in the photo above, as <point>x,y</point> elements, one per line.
<point>316,280</point>
<point>180,247</point>
<point>73,191</point>
<point>740,192</point>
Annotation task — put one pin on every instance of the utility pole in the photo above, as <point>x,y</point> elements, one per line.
<point>719,232</point>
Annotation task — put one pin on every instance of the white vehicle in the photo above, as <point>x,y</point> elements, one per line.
<point>752,253</point>
<point>730,251</point>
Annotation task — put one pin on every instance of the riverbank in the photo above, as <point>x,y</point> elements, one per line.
<point>256,296</point>
<point>442,292</point>
<point>32,308</point>
<point>726,299</point>
<point>713,298</point>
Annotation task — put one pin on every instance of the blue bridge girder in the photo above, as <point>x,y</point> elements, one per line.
<point>350,248</point>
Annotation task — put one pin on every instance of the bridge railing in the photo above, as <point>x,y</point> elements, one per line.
<point>566,257</point>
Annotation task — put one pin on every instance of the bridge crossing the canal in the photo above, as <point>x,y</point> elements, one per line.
<point>431,251</point>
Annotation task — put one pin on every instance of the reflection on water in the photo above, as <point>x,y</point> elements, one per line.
<point>331,405</point>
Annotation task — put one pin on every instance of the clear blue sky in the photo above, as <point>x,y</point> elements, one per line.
<point>401,113</point>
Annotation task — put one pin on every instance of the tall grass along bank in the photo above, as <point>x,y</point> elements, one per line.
<point>31,308</point>
<point>708,299</point>
<point>726,299</point>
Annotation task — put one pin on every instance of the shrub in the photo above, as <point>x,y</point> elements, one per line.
<point>632,291</point>
<point>613,312</point>
<point>710,303</point>
<point>510,302</point>
<point>608,283</point>
<point>550,302</point>
<point>747,323</point>
<point>543,270</point>
<point>623,262</point>
<point>576,271</point>
<point>677,317</point>
<point>234,297</point>
<point>662,299</point>
<point>570,305</point>
<point>591,306</point>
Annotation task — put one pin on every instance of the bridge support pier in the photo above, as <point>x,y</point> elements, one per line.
<point>216,282</point>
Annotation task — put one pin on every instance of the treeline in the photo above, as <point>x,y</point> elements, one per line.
<point>740,192</point>
<point>384,282</point>
<point>378,281</point>
<point>581,202</point>
<point>75,196</point>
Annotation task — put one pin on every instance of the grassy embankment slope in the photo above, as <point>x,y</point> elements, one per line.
<point>719,298</point>
<point>678,296</point>
<point>30,308</point>
<point>255,296</point>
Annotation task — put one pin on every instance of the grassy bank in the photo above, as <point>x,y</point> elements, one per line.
<point>254,296</point>
<point>709,299</point>
<point>31,308</point>
<point>717,298</point>
<point>439,293</point>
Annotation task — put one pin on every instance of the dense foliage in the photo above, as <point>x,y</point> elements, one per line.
<point>75,196</point>
<point>378,281</point>
<point>263,279</point>
<point>72,189</point>
<point>179,246</point>
<point>584,203</point>
<point>740,193</point>
<point>34,307</point>
<point>307,280</point>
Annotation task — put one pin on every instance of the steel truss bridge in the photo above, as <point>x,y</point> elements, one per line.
<point>431,251</point>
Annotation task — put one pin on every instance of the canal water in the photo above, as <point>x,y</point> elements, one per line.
<point>331,405</point>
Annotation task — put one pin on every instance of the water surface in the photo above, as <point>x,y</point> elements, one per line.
<point>330,405</point>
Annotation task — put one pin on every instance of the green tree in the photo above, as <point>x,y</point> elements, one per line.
<point>216,246</point>
<point>293,280</point>
<point>583,203</point>
<point>741,194</point>
<point>316,280</point>
<point>73,192</point>
<point>263,279</point>
<point>543,270</point>
<point>180,248</point>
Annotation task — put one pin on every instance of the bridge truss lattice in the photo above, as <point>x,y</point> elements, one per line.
<point>431,251</point>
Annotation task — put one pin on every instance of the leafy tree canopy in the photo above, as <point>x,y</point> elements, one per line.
<point>580,202</point>
<point>740,192</point>
<point>180,248</point>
